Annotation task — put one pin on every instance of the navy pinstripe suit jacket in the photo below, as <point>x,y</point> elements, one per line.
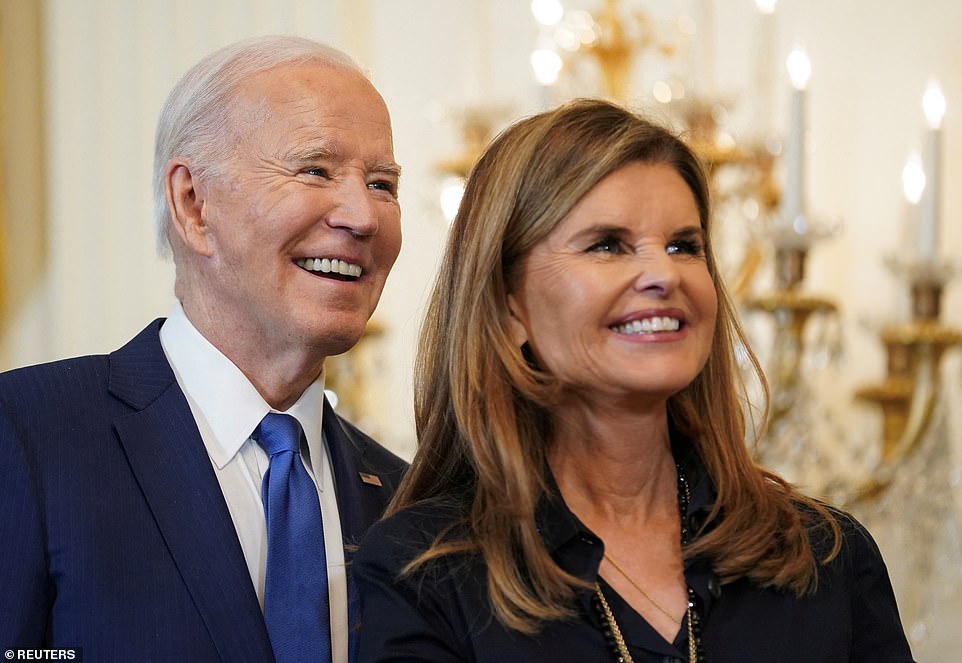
<point>114,534</point>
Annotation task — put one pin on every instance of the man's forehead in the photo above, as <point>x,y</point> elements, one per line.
<point>291,81</point>
<point>319,111</point>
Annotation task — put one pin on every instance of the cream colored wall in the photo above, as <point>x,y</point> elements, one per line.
<point>23,237</point>
<point>109,64</point>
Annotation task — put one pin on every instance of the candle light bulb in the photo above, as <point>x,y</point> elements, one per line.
<point>547,65</point>
<point>913,179</point>
<point>547,12</point>
<point>933,103</point>
<point>793,198</point>
<point>452,190</point>
<point>799,68</point>
<point>766,6</point>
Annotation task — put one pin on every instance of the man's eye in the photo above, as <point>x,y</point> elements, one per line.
<point>383,185</point>
<point>317,172</point>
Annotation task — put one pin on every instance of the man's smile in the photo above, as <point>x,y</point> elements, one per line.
<point>330,267</point>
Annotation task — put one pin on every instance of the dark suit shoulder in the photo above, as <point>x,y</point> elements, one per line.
<point>63,374</point>
<point>48,402</point>
<point>135,373</point>
<point>376,454</point>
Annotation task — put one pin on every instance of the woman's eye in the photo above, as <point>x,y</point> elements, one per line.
<point>607,245</point>
<point>689,247</point>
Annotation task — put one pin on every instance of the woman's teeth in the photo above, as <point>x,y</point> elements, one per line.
<point>648,326</point>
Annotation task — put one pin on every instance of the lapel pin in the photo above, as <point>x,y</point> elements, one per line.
<point>371,479</point>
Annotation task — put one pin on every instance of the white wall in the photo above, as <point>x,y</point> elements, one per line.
<point>110,64</point>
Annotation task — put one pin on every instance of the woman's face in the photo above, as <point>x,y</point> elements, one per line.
<point>617,300</point>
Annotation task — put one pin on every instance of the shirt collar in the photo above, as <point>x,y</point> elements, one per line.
<point>222,395</point>
<point>558,524</point>
<point>579,551</point>
<point>574,547</point>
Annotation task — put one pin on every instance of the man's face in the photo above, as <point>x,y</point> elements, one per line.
<point>302,222</point>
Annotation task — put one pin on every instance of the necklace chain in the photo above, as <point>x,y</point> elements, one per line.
<point>648,596</point>
<point>691,616</point>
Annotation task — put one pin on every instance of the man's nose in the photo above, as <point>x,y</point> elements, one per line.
<point>354,208</point>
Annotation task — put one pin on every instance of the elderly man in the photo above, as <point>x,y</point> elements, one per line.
<point>192,496</point>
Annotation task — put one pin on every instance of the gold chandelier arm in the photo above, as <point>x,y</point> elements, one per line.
<point>747,270</point>
<point>924,395</point>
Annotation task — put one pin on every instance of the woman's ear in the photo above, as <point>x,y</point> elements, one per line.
<point>517,322</point>
<point>187,206</point>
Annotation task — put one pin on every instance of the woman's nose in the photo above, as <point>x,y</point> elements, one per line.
<point>658,275</point>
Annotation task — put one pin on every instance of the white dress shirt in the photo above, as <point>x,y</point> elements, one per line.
<point>227,409</point>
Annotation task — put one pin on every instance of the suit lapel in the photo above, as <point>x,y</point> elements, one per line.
<point>361,500</point>
<point>170,463</point>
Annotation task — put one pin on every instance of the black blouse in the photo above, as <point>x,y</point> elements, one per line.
<point>441,613</point>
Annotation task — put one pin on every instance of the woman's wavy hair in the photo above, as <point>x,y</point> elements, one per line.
<point>482,410</point>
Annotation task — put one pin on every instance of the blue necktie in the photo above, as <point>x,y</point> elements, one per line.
<point>296,607</point>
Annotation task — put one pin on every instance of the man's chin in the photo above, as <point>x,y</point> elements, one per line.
<point>338,343</point>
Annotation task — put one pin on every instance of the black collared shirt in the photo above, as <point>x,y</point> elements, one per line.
<point>441,613</point>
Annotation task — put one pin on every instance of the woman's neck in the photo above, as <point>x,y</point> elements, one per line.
<point>617,467</point>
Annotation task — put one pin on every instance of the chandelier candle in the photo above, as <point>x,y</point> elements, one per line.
<point>764,71</point>
<point>793,203</point>
<point>933,103</point>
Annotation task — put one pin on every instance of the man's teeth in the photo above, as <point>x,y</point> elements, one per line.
<point>648,326</point>
<point>329,265</point>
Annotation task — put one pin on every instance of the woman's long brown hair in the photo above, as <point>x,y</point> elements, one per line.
<point>482,410</point>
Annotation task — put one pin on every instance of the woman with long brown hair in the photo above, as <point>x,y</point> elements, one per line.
<point>582,489</point>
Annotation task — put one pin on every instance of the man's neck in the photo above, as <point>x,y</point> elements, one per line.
<point>279,374</point>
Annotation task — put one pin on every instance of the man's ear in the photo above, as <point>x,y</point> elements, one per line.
<point>517,329</point>
<point>187,206</point>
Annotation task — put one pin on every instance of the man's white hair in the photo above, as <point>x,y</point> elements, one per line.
<point>195,121</point>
